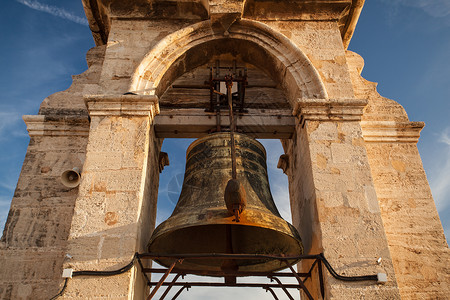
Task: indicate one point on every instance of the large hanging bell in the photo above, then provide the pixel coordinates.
(201, 222)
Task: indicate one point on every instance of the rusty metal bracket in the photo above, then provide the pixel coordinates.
(299, 280)
(268, 289)
(142, 268)
(180, 291)
(280, 284)
(163, 278)
(273, 276)
(322, 287)
(170, 286)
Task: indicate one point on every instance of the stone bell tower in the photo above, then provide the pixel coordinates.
(358, 191)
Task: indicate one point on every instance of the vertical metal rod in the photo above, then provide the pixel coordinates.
(163, 278)
(142, 269)
(211, 90)
(310, 271)
(229, 264)
(170, 286)
(244, 86)
(322, 288)
(229, 84)
(217, 97)
(300, 281)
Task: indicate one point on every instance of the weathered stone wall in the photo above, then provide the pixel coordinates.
(322, 44)
(129, 42)
(418, 247)
(333, 199)
(34, 240)
(115, 211)
(416, 239)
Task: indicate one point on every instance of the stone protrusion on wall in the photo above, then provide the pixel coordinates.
(283, 163)
(333, 198)
(34, 239)
(122, 105)
(115, 210)
(391, 131)
(39, 125)
(329, 109)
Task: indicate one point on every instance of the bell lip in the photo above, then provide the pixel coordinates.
(260, 266)
(227, 135)
(291, 233)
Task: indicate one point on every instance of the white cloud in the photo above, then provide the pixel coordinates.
(5, 203)
(435, 8)
(9, 185)
(438, 10)
(440, 185)
(55, 11)
(8, 121)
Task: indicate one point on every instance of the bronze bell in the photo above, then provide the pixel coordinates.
(201, 223)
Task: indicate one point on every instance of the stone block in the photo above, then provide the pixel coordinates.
(124, 180)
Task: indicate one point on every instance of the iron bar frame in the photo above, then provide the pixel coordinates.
(273, 276)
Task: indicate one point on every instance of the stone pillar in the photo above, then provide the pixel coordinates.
(33, 244)
(414, 232)
(116, 207)
(333, 199)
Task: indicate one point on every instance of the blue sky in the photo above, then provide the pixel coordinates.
(405, 44)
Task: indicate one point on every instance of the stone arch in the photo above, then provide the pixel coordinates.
(299, 77)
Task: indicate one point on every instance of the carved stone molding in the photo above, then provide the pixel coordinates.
(329, 109)
(44, 125)
(391, 131)
(122, 105)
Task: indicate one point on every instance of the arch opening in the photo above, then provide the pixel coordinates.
(254, 41)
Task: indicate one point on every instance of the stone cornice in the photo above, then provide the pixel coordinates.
(391, 131)
(122, 105)
(100, 12)
(349, 26)
(45, 125)
(329, 109)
